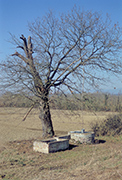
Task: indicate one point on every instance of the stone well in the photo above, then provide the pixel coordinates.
(82, 136)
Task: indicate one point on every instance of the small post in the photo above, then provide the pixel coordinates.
(82, 130)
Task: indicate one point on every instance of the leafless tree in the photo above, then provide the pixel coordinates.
(60, 52)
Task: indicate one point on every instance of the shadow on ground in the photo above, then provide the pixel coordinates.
(99, 141)
(72, 146)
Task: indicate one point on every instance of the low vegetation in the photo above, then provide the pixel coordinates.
(110, 126)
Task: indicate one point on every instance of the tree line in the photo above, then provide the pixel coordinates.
(85, 101)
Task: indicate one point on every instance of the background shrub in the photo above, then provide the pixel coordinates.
(110, 126)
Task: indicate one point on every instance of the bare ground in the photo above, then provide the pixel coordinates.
(18, 161)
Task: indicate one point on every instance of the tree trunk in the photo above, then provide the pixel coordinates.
(45, 117)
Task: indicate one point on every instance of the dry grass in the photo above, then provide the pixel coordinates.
(13, 128)
(86, 162)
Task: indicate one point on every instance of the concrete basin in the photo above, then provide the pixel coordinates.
(52, 145)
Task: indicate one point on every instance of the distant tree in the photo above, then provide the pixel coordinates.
(59, 53)
(118, 105)
(106, 99)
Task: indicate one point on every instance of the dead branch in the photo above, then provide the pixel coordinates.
(21, 57)
(28, 112)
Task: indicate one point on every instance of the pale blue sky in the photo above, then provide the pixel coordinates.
(15, 14)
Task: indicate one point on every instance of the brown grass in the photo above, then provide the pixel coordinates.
(86, 162)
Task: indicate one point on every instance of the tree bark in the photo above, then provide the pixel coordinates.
(45, 117)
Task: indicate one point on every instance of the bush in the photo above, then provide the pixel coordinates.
(111, 126)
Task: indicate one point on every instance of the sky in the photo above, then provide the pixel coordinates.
(15, 15)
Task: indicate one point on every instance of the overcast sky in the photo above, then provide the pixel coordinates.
(15, 15)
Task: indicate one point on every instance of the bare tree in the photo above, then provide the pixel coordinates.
(60, 52)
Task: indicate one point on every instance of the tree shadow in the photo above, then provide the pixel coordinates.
(71, 146)
(99, 141)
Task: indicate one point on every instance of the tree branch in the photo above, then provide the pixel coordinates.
(73, 69)
(59, 62)
(28, 112)
(21, 57)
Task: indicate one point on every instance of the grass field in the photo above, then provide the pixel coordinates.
(80, 162)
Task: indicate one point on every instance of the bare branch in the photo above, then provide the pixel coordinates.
(73, 69)
(21, 57)
(20, 47)
(65, 55)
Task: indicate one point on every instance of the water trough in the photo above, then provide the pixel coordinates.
(52, 145)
